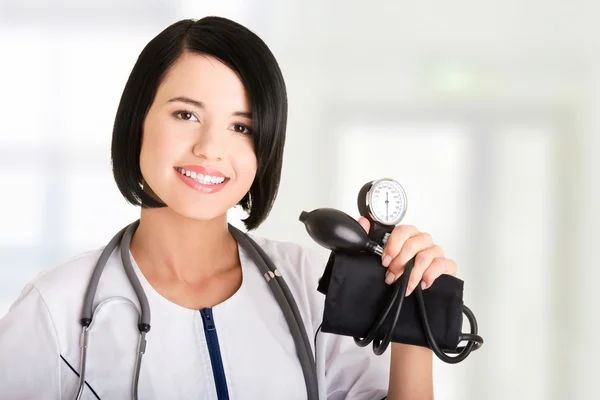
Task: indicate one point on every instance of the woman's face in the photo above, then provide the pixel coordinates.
(197, 151)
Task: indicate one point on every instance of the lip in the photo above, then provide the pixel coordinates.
(201, 187)
(203, 170)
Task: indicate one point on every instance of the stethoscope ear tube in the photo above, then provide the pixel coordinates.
(88, 301)
(289, 308)
(144, 323)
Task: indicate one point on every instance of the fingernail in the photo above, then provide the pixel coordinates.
(389, 278)
(386, 261)
(409, 289)
(423, 285)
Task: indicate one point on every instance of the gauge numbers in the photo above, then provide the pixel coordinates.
(387, 201)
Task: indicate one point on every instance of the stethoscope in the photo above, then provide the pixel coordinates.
(272, 275)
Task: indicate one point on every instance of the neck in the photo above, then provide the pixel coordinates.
(172, 247)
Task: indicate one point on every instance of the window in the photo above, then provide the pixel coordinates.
(486, 188)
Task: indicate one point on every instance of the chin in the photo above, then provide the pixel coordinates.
(203, 209)
(193, 213)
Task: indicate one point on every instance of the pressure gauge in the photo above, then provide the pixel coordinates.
(383, 201)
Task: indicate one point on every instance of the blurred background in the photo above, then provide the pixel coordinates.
(487, 112)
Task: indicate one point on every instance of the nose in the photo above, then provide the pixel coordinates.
(207, 145)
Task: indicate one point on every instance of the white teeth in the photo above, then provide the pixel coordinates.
(204, 179)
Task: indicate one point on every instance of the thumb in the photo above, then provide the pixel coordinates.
(365, 223)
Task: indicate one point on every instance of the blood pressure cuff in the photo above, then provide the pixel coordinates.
(356, 294)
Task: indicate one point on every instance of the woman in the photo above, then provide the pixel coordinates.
(201, 128)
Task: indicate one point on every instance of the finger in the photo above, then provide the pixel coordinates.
(452, 267)
(365, 223)
(423, 263)
(438, 267)
(397, 238)
(410, 249)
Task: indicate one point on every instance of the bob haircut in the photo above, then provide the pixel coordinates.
(247, 55)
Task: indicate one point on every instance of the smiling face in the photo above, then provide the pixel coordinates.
(197, 152)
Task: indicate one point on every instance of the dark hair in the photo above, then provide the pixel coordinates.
(246, 54)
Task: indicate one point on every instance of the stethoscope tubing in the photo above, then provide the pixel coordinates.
(274, 279)
(290, 311)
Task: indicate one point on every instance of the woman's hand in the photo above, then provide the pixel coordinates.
(411, 367)
(406, 242)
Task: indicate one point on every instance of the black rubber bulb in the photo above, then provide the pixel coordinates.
(337, 231)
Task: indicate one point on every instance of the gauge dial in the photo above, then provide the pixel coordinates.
(387, 201)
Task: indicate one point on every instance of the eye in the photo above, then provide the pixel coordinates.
(242, 129)
(185, 115)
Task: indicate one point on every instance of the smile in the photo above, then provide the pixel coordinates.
(200, 178)
(208, 181)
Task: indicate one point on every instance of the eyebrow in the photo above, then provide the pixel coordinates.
(200, 104)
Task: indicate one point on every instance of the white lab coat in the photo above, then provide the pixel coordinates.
(41, 334)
